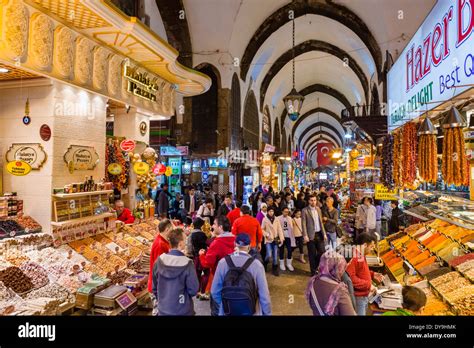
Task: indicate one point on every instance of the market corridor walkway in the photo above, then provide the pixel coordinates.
(287, 292)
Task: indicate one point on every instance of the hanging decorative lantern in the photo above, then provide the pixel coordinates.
(454, 119)
(293, 101)
(427, 127)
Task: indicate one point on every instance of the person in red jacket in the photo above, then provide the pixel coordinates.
(234, 214)
(160, 246)
(123, 214)
(250, 225)
(358, 271)
(221, 246)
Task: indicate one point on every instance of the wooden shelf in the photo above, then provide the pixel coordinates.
(82, 194)
(84, 219)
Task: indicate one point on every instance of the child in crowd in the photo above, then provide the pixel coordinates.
(298, 232)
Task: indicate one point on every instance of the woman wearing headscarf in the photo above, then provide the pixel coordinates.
(262, 213)
(327, 294)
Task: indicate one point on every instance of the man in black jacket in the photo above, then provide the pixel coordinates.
(394, 223)
(225, 207)
(162, 201)
(191, 203)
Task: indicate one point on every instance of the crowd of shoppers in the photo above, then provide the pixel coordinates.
(228, 266)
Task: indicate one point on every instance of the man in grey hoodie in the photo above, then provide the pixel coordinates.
(175, 282)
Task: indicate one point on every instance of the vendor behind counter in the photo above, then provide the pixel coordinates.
(123, 214)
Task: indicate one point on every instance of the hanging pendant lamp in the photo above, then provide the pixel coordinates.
(293, 101)
(427, 127)
(454, 119)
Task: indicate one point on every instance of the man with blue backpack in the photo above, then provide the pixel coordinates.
(240, 287)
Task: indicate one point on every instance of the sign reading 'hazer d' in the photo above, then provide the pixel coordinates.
(82, 157)
(438, 59)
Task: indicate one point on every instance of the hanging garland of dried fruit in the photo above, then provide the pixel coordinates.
(454, 166)
(114, 154)
(428, 158)
(408, 161)
(387, 161)
(397, 158)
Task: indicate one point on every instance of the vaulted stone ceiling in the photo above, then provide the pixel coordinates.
(341, 51)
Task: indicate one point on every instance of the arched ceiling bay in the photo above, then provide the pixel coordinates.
(320, 139)
(325, 50)
(309, 28)
(307, 92)
(315, 68)
(313, 143)
(280, 17)
(318, 136)
(314, 129)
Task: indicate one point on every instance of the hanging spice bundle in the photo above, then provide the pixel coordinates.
(427, 152)
(428, 158)
(408, 145)
(454, 167)
(397, 158)
(387, 161)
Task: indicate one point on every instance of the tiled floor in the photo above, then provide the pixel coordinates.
(286, 291)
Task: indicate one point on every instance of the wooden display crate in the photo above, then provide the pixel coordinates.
(77, 205)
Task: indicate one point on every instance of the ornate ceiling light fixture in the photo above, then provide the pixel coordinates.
(293, 101)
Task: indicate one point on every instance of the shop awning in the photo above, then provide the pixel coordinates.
(101, 21)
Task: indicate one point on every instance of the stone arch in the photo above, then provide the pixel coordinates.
(310, 113)
(328, 9)
(284, 147)
(277, 135)
(374, 101)
(177, 29)
(266, 126)
(308, 46)
(204, 114)
(251, 129)
(316, 125)
(317, 87)
(235, 112)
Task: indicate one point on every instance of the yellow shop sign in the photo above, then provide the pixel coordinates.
(114, 169)
(141, 168)
(384, 194)
(18, 168)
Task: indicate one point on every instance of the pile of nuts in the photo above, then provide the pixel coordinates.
(465, 306)
(70, 283)
(4, 264)
(14, 278)
(37, 274)
(53, 291)
(455, 284)
(121, 276)
(16, 257)
(28, 223)
(460, 293)
(445, 278)
(5, 293)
